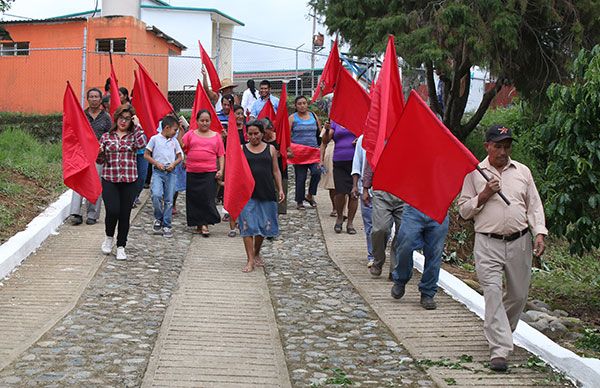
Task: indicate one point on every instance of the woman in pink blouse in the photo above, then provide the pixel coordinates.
(204, 166)
(118, 148)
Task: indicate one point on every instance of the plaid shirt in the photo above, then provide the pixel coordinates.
(119, 155)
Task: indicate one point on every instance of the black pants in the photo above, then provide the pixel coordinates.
(118, 200)
(301, 171)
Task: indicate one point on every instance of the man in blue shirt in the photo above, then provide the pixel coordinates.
(265, 93)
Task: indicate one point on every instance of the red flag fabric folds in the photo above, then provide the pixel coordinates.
(350, 104)
(201, 101)
(79, 150)
(239, 182)
(149, 102)
(422, 162)
(330, 73)
(115, 100)
(282, 126)
(387, 104)
(267, 111)
(215, 82)
(304, 154)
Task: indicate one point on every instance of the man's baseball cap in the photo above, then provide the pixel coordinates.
(497, 133)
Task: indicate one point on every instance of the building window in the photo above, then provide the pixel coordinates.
(116, 45)
(14, 48)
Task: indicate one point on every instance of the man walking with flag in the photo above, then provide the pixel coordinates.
(100, 121)
(503, 238)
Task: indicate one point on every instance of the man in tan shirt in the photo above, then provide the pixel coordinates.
(503, 238)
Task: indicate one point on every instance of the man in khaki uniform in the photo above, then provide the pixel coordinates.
(503, 238)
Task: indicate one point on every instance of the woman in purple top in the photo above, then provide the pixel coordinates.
(342, 173)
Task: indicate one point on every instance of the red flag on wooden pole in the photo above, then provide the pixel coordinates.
(330, 73)
(387, 103)
(267, 111)
(422, 162)
(215, 82)
(239, 182)
(149, 102)
(115, 100)
(350, 103)
(201, 101)
(282, 126)
(79, 150)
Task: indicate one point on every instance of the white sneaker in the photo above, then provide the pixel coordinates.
(107, 245)
(121, 255)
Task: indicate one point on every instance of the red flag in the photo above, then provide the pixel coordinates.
(239, 182)
(304, 154)
(282, 126)
(267, 111)
(215, 82)
(79, 150)
(201, 101)
(115, 100)
(387, 103)
(330, 73)
(422, 162)
(350, 103)
(149, 102)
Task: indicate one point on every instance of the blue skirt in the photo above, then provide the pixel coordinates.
(180, 177)
(259, 218)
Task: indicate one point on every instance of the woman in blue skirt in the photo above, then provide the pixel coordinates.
(259, 217)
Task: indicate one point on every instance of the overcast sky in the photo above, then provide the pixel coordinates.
(279, 22)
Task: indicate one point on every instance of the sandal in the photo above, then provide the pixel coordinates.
(232, 233)
(258, 261)
(333, 213)
(337, 228)
(311, 202)
(300, 206)
(204, 231)
(248, 268)
(350, 230)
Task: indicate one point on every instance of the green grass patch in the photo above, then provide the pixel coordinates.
(36, 160)
(568, 282)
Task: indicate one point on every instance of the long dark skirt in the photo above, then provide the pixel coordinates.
(200, 199)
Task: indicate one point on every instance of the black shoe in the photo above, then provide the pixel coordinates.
(374, 271)
(428, 303)
(90, 221)
(398, 291)
(76, 219)
(390, 277)
(498, 364)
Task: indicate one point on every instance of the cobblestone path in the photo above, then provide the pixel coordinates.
(107, 338)
(329, 333)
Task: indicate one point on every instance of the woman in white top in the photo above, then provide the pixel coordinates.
(249, 96)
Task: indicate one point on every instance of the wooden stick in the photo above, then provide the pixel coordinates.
(487, 178)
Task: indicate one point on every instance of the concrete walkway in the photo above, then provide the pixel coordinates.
(437, 337)
(220, 330)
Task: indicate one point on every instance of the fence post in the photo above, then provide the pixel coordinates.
(297, 67)
(84, 64)
(218, 58)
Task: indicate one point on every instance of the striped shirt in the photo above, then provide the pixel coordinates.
(304, 131)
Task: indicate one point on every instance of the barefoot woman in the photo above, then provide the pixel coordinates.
(259, 217)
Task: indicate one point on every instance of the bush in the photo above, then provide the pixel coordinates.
(43, 127)
(567, 143)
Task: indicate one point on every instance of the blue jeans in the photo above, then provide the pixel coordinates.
(301, 171)
(418, 231)
(366, 211)
(163, 189)
(142, 168)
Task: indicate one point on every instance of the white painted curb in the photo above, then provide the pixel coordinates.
(24, 243)
(586, 371)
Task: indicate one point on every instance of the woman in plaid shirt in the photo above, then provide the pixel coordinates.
(118, 149)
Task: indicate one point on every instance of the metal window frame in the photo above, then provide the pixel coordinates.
(7, 51)
(111, 44)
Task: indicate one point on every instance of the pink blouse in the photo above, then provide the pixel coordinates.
(202, 152)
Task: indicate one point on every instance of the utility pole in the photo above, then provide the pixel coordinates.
(312, 51)
(297, 67)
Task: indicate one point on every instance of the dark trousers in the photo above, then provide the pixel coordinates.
(301, 171)
(118, 200)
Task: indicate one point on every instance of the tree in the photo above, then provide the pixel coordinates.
(529, 44)
(5, 5)
(567, 144)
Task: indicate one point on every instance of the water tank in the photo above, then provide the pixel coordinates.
(121, 8)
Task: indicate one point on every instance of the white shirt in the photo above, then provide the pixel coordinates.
(248, 100)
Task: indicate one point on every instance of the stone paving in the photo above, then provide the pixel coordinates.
(106, 340)
(329, 333)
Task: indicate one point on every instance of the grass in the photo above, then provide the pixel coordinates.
(30, 178)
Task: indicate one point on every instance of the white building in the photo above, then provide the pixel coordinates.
(187, 25)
